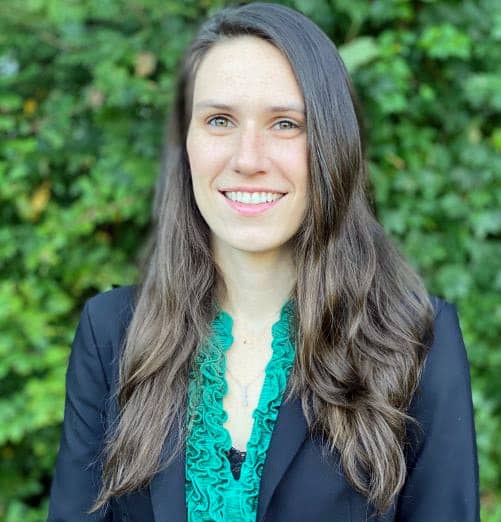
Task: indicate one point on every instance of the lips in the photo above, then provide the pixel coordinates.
(251, 209)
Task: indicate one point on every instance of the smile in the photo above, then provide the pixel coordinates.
(249, 208)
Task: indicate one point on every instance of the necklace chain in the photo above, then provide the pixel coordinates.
(243, 389)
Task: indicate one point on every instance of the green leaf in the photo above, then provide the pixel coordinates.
(359, 52)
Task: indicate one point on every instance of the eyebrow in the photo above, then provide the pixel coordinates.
(271, 108)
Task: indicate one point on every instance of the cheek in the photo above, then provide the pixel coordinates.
(294, 162)
(204, 156)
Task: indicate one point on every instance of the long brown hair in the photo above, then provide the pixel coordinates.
(364, 319)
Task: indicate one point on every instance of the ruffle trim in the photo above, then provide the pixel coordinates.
(212, 493)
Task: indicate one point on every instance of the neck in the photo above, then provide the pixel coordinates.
(257, 284)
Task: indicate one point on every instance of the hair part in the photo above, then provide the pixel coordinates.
(364, 320)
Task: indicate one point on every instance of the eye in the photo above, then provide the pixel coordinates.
(220, 121)
(291, 125)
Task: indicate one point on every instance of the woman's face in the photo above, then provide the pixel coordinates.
(247, 133)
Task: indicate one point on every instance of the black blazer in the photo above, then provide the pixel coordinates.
(297, 483)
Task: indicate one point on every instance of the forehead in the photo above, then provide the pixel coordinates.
(246, 68)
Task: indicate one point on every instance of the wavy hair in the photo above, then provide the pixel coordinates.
(363, 320)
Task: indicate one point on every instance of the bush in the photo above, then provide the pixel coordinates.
(83, 91)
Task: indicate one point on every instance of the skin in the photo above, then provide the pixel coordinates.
(249, 145)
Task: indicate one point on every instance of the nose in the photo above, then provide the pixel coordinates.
(249, 156)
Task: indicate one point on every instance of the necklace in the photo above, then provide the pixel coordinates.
(248, 340)
(250, 337)
(243, 389)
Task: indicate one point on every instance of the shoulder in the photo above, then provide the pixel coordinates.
(444, 390)
(115, 299)
(438, 303)
(441, 454)
(101, 330)
(110, 312)
(446, 366)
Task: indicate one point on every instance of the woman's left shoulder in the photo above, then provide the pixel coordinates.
(446, 372)
(442, 463)
(448, 347)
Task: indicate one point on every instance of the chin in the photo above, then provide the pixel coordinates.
(253, 242)
(254, 247)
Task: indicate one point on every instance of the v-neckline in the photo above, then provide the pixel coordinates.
(266, 382)
(208, 440)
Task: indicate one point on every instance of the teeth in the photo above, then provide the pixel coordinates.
(253, 198)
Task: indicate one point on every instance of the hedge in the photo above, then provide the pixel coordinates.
(84, 87)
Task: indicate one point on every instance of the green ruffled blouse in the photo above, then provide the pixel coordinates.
(213, 494)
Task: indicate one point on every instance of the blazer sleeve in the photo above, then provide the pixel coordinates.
(442, 483)
(76, 480)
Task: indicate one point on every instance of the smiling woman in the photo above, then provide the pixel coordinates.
(279, 360)
(252, 152)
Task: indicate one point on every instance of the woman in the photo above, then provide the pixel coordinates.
(279, 359)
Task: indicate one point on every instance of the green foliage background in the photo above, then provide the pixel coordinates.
(84, 87)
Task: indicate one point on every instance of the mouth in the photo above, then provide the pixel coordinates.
(281, 194)
(251, 209)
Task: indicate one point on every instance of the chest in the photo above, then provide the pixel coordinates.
(245, 373)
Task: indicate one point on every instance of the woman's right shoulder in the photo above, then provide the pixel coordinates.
(110, 312)
(116, 298)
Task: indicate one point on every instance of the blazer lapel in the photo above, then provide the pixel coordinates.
(288, 435)
(167, 488)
